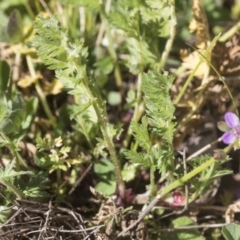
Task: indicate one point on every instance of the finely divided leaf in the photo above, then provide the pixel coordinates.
(140, 132)
(9, 173)
(14, 115)
(143, 159)
(160, 109)
(53, 44)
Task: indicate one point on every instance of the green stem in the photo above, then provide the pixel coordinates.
(10, 186)
(170, 40)
(72, 22)
(179, 182)
(19, 161)
(29, 10)
(199, 98)
(199, 192)
(100, 110)
(138, 99)
(152, 182)
(37, 5)
(105, 129)
(220, 77)
(41, 95)
(230, 33)
(139, 105)
(88, 139)
(111, 49)
(187, 177)
(189, 79)
(44, 103)
(200, 101)
(138, 111)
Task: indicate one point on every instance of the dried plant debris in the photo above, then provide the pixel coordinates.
(226, 56)
(34, 220)
(231, 211)
(198, 26)
(117, 219)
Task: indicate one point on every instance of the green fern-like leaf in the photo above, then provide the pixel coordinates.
(54, 46)
(143, 159)
(10, 174)
(79, 109)
(71, 81)
(160, 109)
(51, 42)
(100, 148)
(43, 144)
(140, 55)
(14, 115)
(140, 132)
(155, 10)
(67, 58)
(33, 188)
(118, 19)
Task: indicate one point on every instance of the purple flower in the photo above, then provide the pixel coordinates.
(231, 127)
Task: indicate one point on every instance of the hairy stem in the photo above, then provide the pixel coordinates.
(138, 111)
(179, 182)
(100, 109)
(170, 40)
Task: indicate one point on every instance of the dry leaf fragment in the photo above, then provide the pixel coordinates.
(190, 61)
(26, 81)
(231, 210)
(199, 26)
(54, 87)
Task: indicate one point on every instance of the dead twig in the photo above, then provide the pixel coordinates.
(80, 179)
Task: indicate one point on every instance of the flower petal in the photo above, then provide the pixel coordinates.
(231, 119)
(228, 137)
